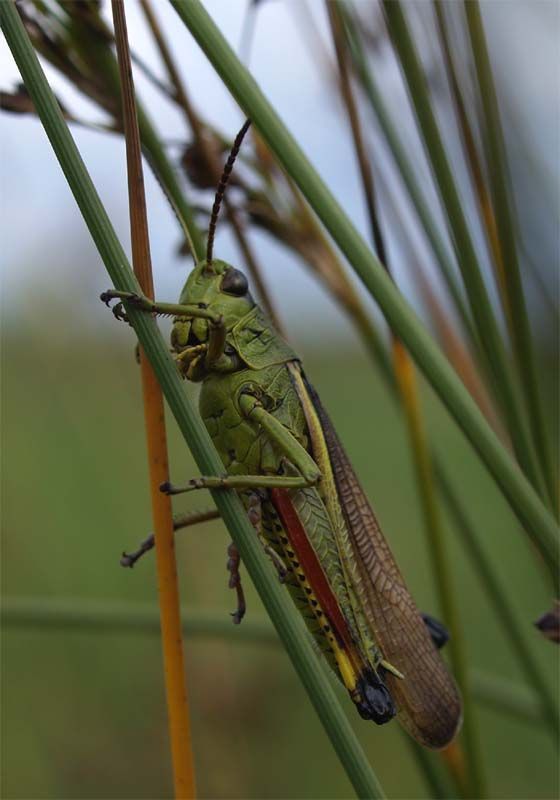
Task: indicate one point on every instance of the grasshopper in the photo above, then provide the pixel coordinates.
(281, 453)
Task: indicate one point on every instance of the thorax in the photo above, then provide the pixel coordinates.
(242, 446)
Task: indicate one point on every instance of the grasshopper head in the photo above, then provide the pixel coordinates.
(221, 289)
(217, 288)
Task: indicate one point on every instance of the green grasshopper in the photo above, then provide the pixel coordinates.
(282, 455)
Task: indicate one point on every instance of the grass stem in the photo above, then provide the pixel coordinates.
(519, 325)
(410, 402)
(488, 331)
(44, 615)
(510, 621)
(168, 585)
(442, 570)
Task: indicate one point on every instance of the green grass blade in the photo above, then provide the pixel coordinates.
(97, 53)
(537, 520)
(406, 172)
(275, 600)
(437, 780)
(504, 695)
(443, 577)
(520, 330)
(510, 621)
(47, 615)
(410, 400)
(498, 593)
(95, 616)
(505, 389)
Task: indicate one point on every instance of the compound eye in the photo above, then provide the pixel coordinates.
(235, 283)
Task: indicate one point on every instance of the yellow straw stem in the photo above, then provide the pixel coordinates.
(173, 659)
(408, 388)
(454, 758)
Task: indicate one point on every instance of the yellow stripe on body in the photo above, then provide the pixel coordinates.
(327, 488)
(279, 539)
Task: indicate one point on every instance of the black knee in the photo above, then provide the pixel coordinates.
(437, 630)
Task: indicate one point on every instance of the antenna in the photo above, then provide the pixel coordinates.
(220, 192)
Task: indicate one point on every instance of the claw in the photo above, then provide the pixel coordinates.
(234, 582)
(280, 567)
(237, 616)
(119, 312)
(114, 294)
(168, 488)
(128, 559)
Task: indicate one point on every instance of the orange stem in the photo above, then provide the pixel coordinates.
(172, 644)
(171, 635)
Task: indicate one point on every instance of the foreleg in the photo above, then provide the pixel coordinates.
(142, 303)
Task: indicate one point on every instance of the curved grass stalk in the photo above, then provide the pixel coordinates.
(506, 612)
(523, 499)
(499, 693)
(287, 623)
(442, 571)
(511, 622)
(498, 593)
(43, 615)
(95, 616)
(407, 173)
(438, 782)
(473, 772)
(506, 390)
(520, 329)
(473, 159)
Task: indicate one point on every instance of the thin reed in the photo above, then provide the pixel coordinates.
(156, 440)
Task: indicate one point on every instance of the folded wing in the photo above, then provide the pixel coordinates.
(427, 699)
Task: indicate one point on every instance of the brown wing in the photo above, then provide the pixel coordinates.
(427, 699)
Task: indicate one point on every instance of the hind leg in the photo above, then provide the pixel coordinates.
(233, 564)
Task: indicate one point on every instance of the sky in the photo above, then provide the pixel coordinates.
(46, 244)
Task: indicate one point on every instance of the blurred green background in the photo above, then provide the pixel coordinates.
(84, 713)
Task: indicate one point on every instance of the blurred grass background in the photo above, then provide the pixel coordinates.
(84, 714)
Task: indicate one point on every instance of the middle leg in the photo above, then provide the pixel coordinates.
(179, 521)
